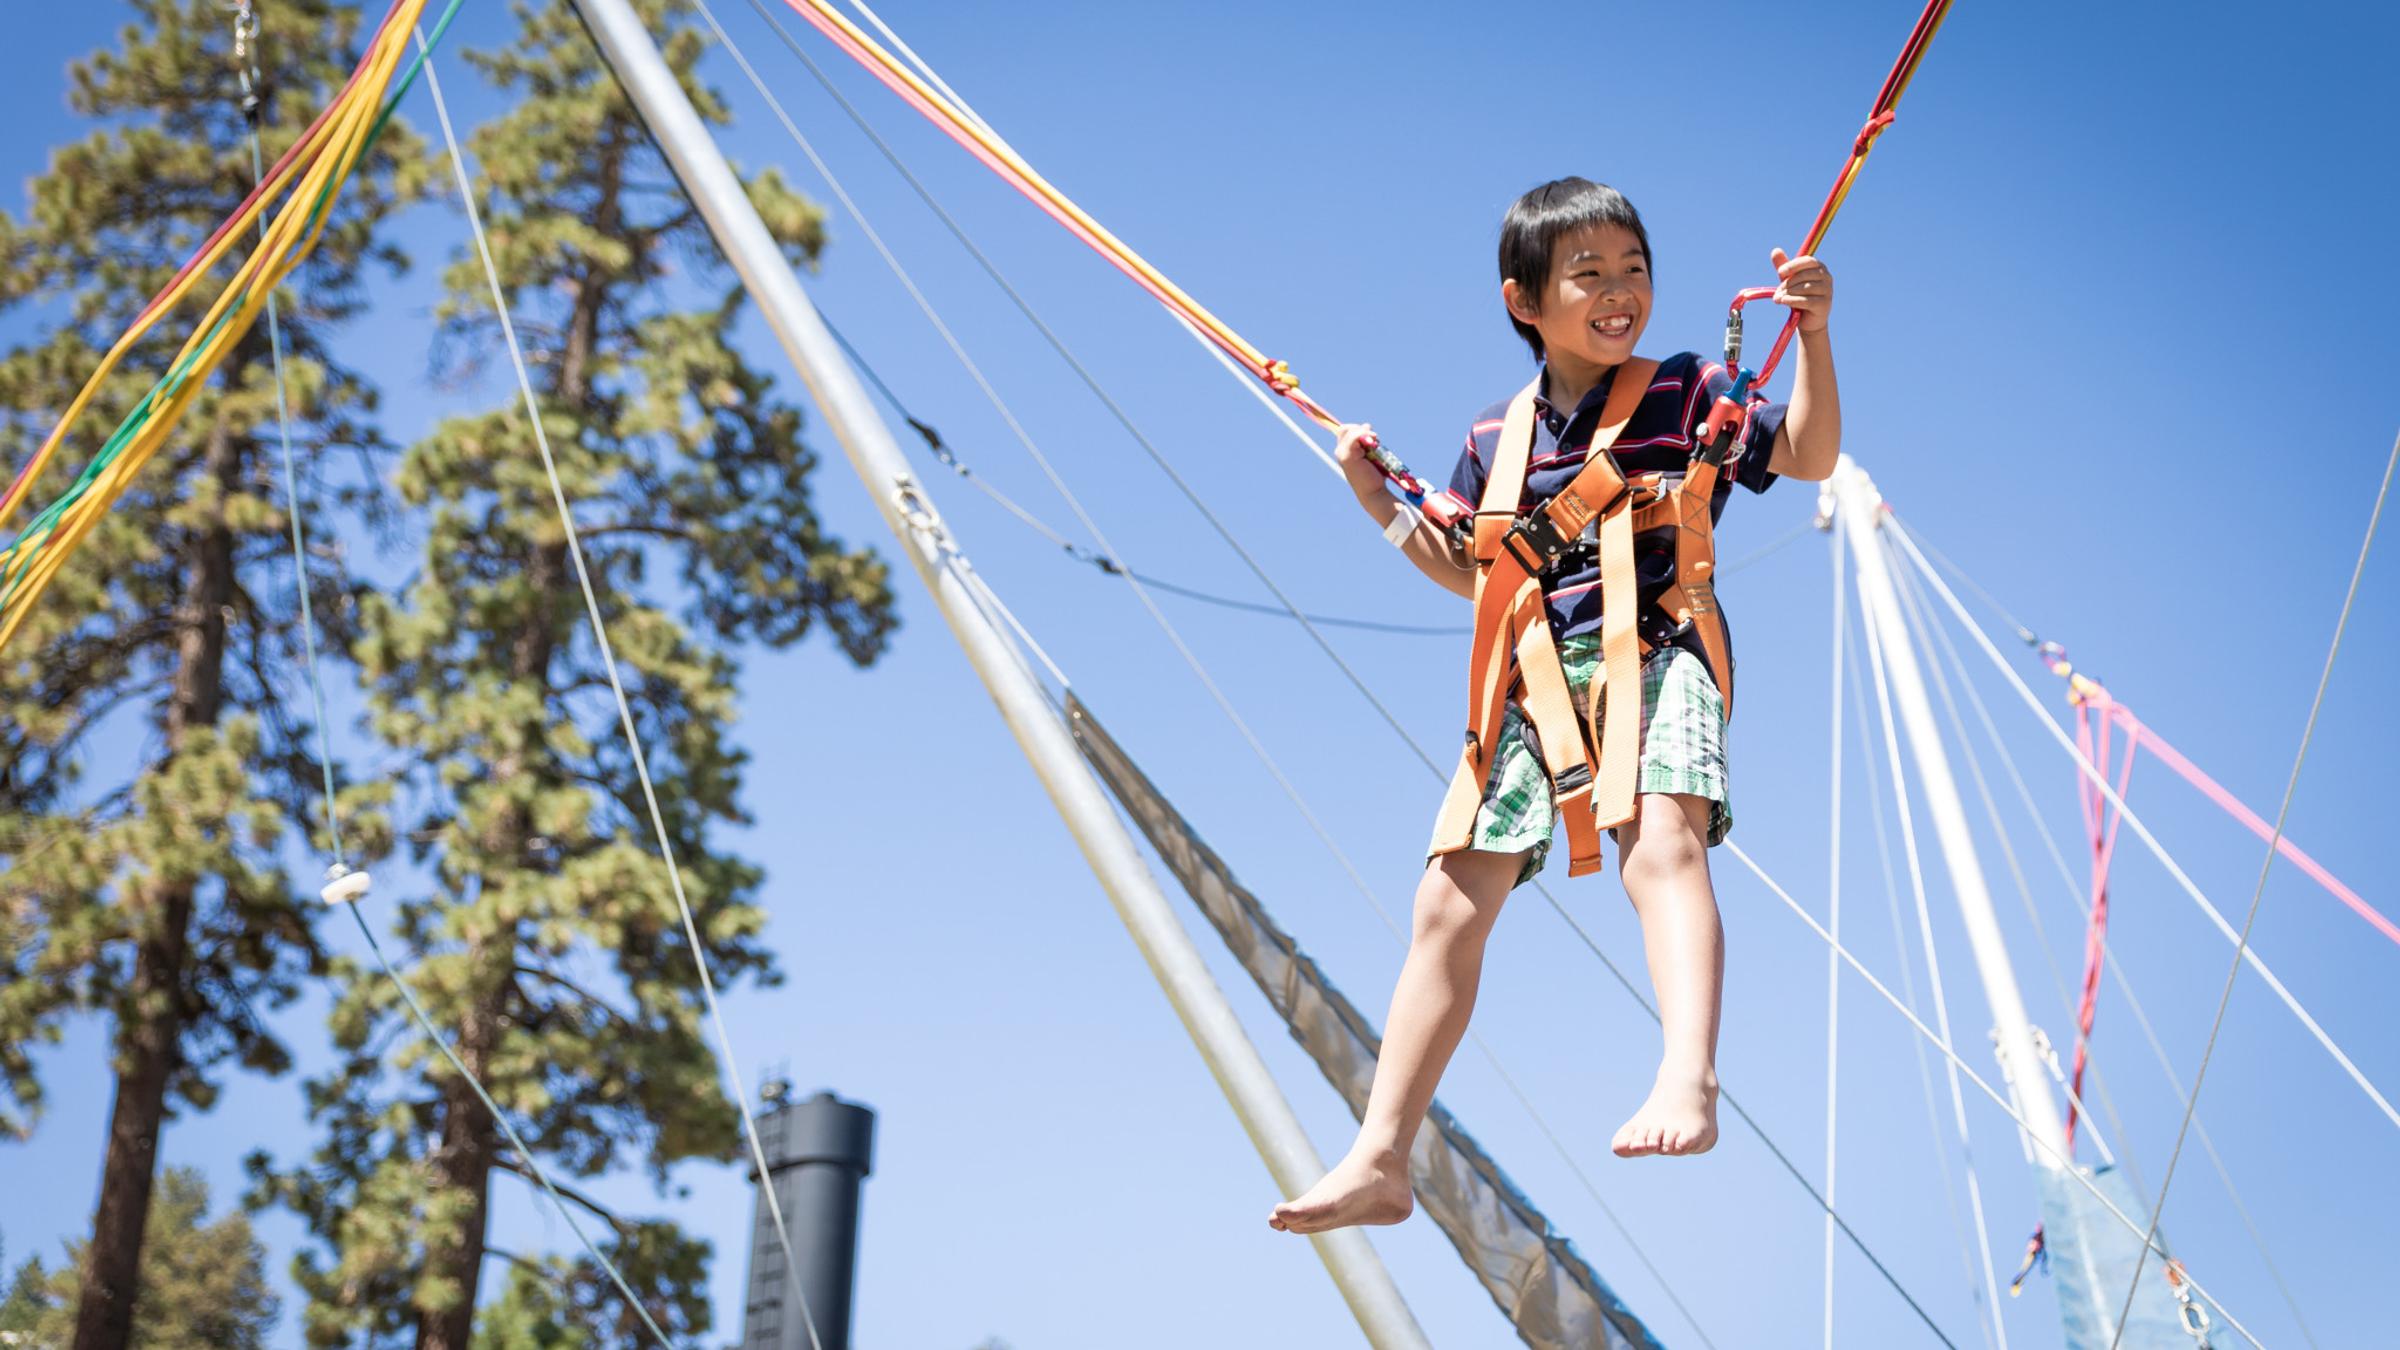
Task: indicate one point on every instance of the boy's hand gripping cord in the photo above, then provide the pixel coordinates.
(1731, 409)
(1441, 506)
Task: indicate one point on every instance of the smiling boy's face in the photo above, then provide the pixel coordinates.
(1598, 298)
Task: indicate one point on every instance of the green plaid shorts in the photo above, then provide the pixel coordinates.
(1683, 750)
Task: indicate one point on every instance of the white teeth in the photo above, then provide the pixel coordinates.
(1614, 326)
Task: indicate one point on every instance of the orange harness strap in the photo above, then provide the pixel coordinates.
(1692, 597)
(1513, 642)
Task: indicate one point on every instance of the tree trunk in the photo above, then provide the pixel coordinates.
(147, 1058)
(464, 1159)
(150, 1022)
(462, 1166)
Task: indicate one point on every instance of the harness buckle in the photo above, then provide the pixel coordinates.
(1577, 777)
(1537, 542)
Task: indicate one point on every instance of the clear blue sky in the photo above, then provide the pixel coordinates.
(2109, 334)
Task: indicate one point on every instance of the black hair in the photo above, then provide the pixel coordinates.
(1541, 218)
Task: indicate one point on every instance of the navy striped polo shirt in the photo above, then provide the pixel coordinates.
(1657, 437)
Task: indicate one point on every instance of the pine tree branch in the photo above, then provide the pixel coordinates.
(583, 996)
(545, 1273)
(63, 748)
(507, 1161)
(675, 532)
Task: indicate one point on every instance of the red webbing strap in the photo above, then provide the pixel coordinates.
(2100, 823)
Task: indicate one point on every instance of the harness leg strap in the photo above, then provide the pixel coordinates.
(1549, 704)
(1507, 603)
(1621, 663)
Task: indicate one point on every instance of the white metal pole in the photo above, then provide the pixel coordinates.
(1240, 1071)
(1862, 517)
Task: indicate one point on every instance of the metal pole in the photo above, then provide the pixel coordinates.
(1862, 516)
(1240, 1072)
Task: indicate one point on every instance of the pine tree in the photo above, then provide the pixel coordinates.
(155, 899)
(202, 1284)
(545, 940)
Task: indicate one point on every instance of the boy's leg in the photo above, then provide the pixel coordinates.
(1663, 854)
(1457, 901)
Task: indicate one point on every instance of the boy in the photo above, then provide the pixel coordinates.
(1575, 277)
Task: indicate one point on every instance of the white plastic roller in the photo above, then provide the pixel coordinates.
(344, 886)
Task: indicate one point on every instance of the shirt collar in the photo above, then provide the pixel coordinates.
(1597, 396)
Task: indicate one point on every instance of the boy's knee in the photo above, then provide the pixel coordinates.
(1667, 841)
(1446, 912)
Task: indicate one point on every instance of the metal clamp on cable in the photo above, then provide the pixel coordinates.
(1733, 323)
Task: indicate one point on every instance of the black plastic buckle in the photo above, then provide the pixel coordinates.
(1536, 542)
(1577, 777)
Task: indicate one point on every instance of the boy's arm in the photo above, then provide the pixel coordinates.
(1427, 547)
(1810, 439)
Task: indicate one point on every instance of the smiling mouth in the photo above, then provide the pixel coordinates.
(1613, 325)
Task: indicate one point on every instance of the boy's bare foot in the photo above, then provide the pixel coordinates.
(1360, 1189)
(1680, 1118)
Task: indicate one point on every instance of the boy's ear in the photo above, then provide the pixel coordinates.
(1519, 304)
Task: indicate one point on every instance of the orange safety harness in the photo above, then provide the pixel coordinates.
(1591, 753)
(1513, 649)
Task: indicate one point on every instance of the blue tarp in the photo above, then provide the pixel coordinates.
(2092, 1254)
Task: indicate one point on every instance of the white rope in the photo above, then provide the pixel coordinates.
(2249, 954)
(1922, 620)
(1934, 1135)
(2258, 893)
(1833, 892)
(931, 76)
(608, 659)
(985, 596)
(1248, 380)
(1357, 684)
(245, 31)
(291, 493)
(1272, 404)
(1933, 964)
(2066, 1168)
(1911, 590)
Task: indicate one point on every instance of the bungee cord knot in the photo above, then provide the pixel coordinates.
(1868, 133)
(1279, 377)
